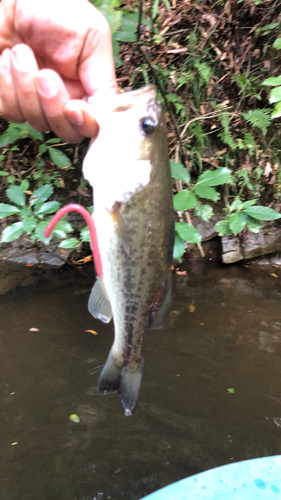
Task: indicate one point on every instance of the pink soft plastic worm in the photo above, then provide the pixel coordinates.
(74, 207)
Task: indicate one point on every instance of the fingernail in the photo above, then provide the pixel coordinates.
(6, 59)
(20, 56)
(74, 115)
(47, 86)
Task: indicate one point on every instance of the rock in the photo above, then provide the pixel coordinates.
(271, 260)
(268, 240)
(13, 275)
(21, 251)
(22, 263)
(231, 251)
(206, 228)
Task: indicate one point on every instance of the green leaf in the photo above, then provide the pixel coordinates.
(3, 174)
(42, 148)
(203, 211)
(262, 213)
(276, 113)
(184, 200)
(253, 224)
(54, 140)
(125, 36)
(249, 203)
(237, 222)
(222, 227)
(146, 21)
(35, 134)
(172, 97)
(187, 232)
(129, 22)
(155, 8)
(63, 225)
(41, 194)
(167, 3)
(24, 185)
(16, 195)
(12, 134)
(179, 248)
(117, 61)
(59, 234)
(48, 208)
(7, 210)
(269, 27)
(237, 204)
(206, 192)
(258, 118)
(272, 81)
(39, 231)
(216, 177)
(26, 212)
(69, 243)
(230, 390)
(85, 234)
(59, 158)
(249, 142)
(74, 418)
(90, 209)
(29, 224)
(179, 172)
(277, 45)
(12, 232)
(275, 95)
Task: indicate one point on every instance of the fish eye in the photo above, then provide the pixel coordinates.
(148, 125)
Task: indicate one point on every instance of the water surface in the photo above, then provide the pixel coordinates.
(211, 391)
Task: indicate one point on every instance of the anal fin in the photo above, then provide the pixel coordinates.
(98, 304)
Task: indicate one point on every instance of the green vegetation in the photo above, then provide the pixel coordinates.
(218, 70)
(34, 214)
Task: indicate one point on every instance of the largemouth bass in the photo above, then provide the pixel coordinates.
(128, 167)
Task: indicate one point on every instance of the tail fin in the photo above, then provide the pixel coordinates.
(110, 376)
(129, 387)
(126, 380)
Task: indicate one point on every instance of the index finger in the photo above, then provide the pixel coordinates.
(96, 66)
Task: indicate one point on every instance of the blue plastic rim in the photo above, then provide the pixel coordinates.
(257, 479)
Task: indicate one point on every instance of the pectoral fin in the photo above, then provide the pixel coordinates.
(98, 304)
(161, 316)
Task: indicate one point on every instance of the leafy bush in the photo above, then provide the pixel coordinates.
(34, 217)
(188, 199)
(245, 214)
(32, 213)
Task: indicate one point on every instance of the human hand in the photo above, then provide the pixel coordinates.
(53, 54)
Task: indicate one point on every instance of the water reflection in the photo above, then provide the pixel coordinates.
(187, 419)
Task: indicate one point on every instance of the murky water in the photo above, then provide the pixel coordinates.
(211, 391)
